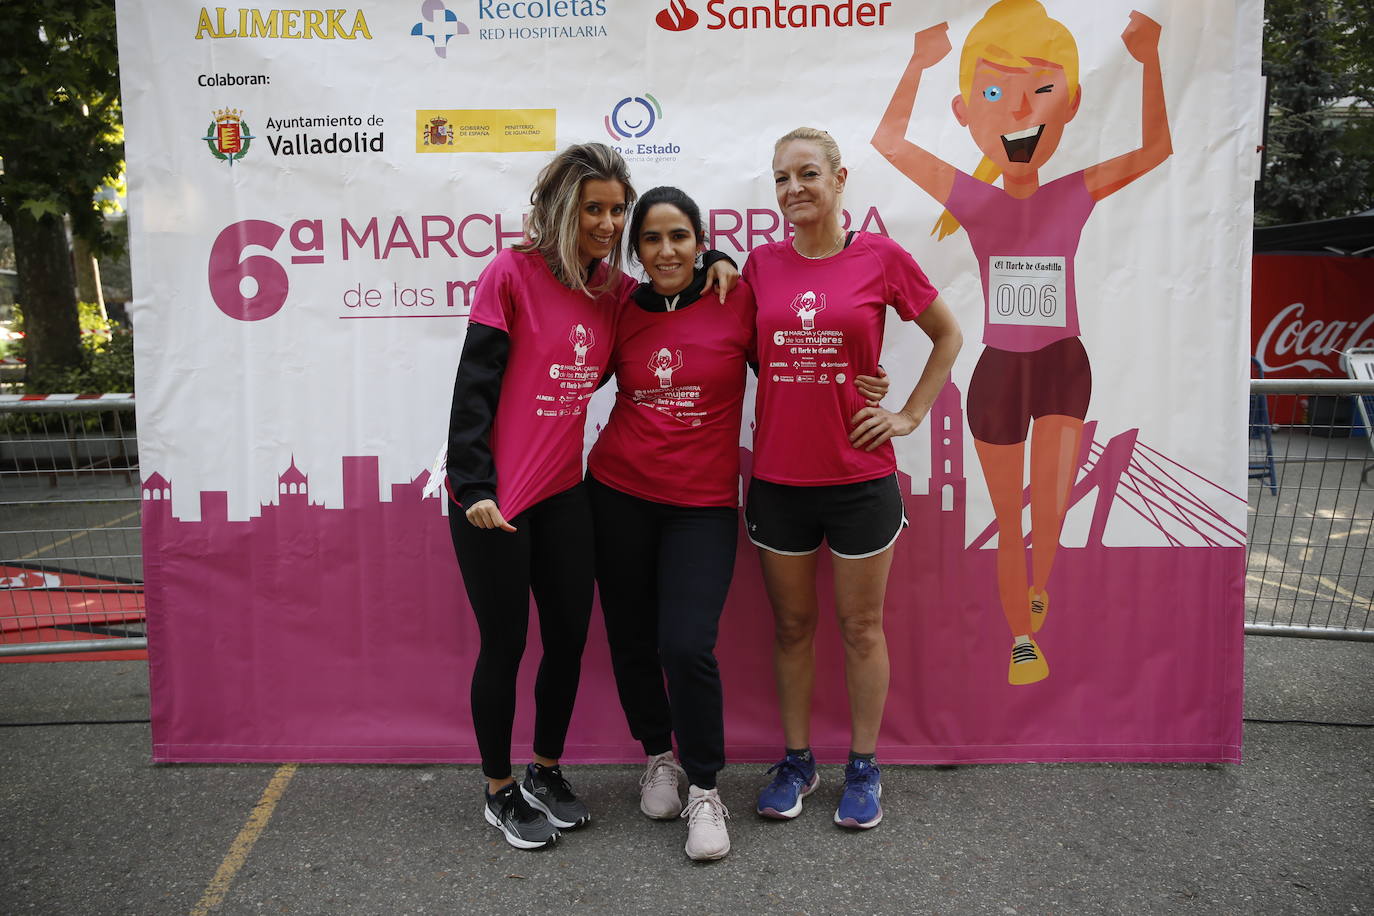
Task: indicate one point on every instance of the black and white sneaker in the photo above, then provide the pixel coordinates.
(522, 826)
(546, 790)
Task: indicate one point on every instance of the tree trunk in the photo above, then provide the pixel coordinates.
(47, 294)
(87, 274)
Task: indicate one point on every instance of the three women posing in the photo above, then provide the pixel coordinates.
(661, 484)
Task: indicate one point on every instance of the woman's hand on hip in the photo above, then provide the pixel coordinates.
(873, 426)
(485, 514)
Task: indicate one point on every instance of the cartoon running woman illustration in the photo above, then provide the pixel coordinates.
(806, 305)
(663, 364)
(582, 340)
(1018, 88)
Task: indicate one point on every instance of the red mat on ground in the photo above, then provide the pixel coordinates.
(42, 605)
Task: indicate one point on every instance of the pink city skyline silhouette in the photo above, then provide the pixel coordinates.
(314, 633)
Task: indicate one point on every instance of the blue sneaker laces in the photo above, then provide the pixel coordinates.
(790, 769)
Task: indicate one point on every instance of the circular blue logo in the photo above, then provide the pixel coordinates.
(633, 117)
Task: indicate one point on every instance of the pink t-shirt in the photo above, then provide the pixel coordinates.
(820, 323)
(560, 343)
(1025, 249)
(673, 434)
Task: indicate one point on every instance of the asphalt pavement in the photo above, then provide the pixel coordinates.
(89, 826)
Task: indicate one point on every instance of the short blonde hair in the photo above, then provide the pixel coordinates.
(829, 148)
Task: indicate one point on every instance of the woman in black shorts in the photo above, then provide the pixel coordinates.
(824, 470)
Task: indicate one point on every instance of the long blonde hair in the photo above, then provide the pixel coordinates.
(555, 211)
(1010, 32)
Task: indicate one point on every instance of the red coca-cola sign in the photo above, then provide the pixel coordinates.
(1306, 311)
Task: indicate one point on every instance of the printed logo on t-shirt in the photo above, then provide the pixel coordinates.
(582, 340)
(811, 355)
(576, 380)
(663, 364)
(1027, 290)
(806, 305)
(681, 402)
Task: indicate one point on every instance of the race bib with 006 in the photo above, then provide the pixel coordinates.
(1025, 290)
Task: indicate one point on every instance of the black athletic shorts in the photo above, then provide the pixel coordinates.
(856, 520)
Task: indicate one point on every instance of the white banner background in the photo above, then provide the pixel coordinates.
(227, 404)
(1161, 270)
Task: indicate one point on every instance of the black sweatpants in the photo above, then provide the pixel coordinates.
(663, 572)
(549, 554)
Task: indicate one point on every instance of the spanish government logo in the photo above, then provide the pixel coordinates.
(439, 24)
(677, 17)
(438, 132)
(228, 136)
(633, 117)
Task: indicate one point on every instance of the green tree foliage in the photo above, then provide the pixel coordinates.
(1316, 53)
(61, 140)
(1356, 61)
(108, 351)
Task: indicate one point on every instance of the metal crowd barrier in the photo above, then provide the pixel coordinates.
(1309, 566)
(71, 567)
(71, 560)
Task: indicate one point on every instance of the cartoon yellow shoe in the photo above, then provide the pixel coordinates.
(1039, 608)
(1028, 663)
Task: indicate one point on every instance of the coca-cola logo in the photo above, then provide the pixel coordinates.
(1318, 346)
(677, 17)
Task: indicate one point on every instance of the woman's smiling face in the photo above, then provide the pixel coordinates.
(601, 218)
(667, 247)
(1017, 115)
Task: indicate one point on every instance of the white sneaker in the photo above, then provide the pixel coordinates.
(658, 796)
(707, 837)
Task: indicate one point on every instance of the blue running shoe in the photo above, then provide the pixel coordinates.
(793, 780)
(859, 807)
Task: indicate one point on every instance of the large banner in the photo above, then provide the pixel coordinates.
(314, 193)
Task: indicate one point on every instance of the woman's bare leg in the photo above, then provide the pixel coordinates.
(860, 586)
(791, 584)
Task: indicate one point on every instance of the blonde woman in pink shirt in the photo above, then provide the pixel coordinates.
(538, 342)
(824, 469)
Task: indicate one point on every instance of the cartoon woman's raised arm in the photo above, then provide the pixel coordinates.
(1142, 41)
(933, 174)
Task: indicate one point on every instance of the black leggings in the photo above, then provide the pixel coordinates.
(550, 554)
(664, 572)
